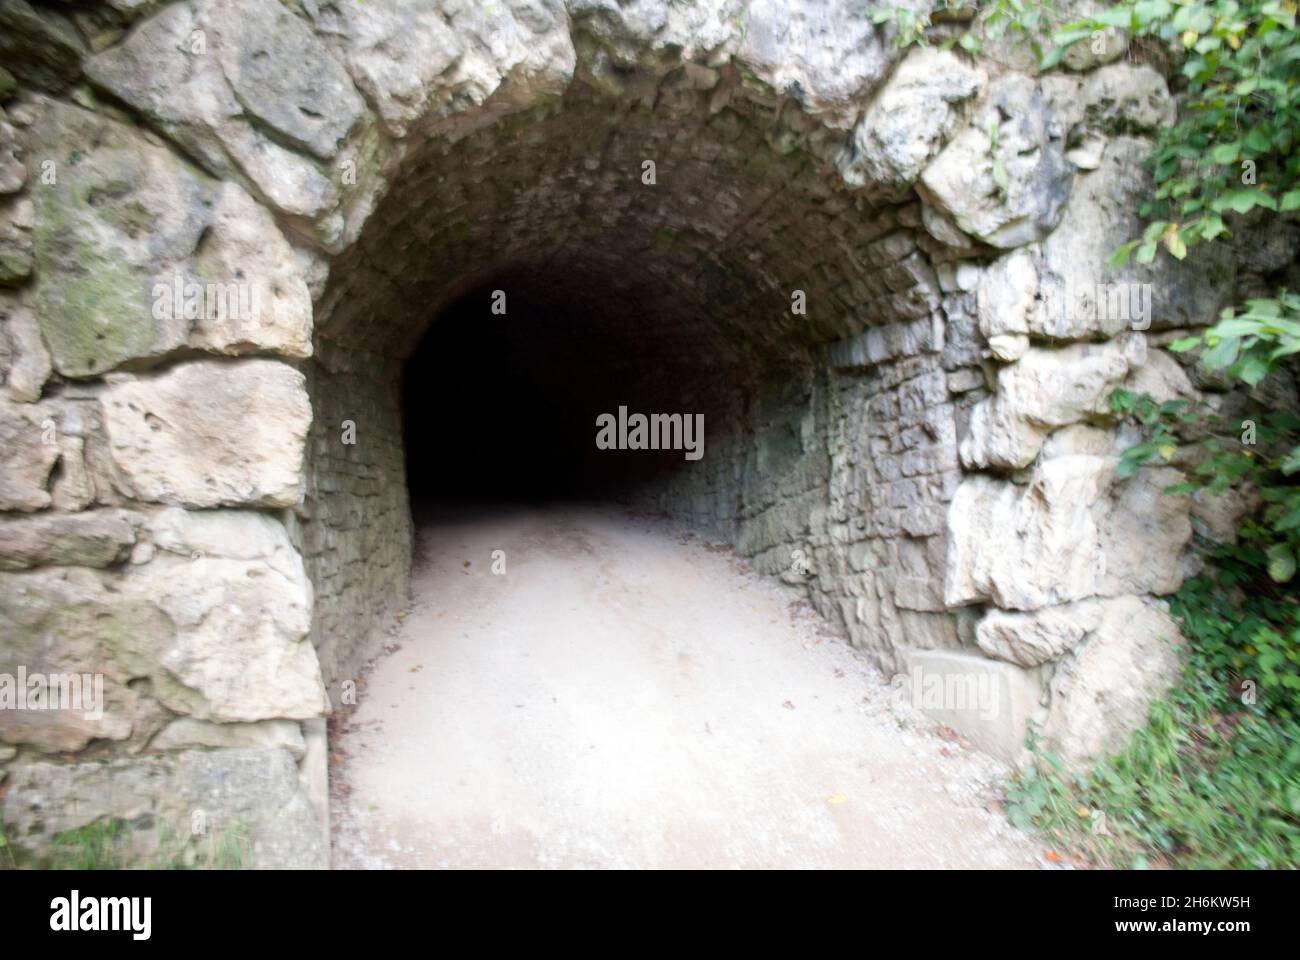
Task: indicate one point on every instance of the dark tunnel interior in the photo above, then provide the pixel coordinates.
(504, 405)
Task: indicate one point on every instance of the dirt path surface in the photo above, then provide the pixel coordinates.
(628, 695)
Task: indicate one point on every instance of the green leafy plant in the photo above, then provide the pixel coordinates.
(1211, 780)
(1233, 147)
(109, 844)
(1029, 20)
(1208, 783)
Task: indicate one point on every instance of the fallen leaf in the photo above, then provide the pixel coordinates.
(1052, 856)
(836, 798)
(788, 705)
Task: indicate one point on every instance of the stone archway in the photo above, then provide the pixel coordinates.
(928, 436)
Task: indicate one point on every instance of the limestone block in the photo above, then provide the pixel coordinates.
(17, 246)
(282, 74)
(254, 793)
(28, 367)
(1030, 639)
(1127, 98)
(1144, 532)
(97, 539)
(988, 702)
(1080, 297)
(415, 61)
(1103, 693)
(1030, 148)
(40, 45)
(1007, 295)
(1027, 547)
(240, 635)
(13, 173)
(28, 451)
(247, 89)
(827, 53)
(1043, 390)
(139, 255)
(211, 433)
(61, 622)
(910, 119)
(187, 733)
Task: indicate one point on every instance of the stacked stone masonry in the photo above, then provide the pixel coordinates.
(927, 449)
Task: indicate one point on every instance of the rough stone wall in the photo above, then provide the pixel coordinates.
(354, 524)
(182, 516)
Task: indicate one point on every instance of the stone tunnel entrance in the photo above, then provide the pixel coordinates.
(597, 254)
(471, 237)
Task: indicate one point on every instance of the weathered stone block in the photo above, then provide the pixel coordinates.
(249, 797)
(28, 451)
(1103, 693)
(986, 701)
(98, 539)
(200, 434)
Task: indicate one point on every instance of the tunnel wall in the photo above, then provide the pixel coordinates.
(183, 518)
(353, 527)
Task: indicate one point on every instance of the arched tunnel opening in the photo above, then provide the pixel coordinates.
(677, 255)
(663, 256)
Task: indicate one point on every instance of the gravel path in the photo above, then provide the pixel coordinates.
(628, 695)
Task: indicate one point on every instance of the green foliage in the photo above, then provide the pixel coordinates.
(1251, 607)
(1211, 781)
(1233, 147)
(1261, 454)
(1208, 783)
(1252, 343)
(1243, 626)
(110, 844)
(7, 861)
(1028, 20)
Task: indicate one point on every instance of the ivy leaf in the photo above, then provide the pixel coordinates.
(1212, 226)
(1259, 140)
(1175, 245)
(1221, 354)
(1242, 201)
(1122, 253)
(1252, 370)
(1281, 562)
(1291, 464)
(1225, 153)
